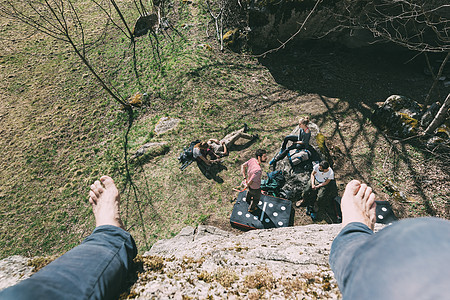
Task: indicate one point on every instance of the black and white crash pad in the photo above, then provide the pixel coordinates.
(384, 212)
(272, 212)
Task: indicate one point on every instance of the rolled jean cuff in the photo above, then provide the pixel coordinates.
(355, 227)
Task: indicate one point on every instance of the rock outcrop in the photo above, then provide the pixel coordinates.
(354, 23)
(14, 269)
(297, 176)
(402, 117)
(209, 263)
(165, 124)
(149, 150)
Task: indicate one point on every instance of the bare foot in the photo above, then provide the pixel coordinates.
(358, 204)
(105, 201)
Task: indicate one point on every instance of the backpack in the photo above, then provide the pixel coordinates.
(297, 156)
(275, 181)
(187, 156)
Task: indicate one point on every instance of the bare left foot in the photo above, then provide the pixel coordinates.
(105, 201)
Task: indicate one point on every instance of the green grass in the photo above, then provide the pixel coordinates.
(61, 132)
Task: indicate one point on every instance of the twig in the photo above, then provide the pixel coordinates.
(387, 156)
(292, 36)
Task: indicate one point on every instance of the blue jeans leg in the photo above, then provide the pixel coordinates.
(96, 269)
(406, 260)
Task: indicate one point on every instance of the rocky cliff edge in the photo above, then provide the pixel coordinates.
(209, 263)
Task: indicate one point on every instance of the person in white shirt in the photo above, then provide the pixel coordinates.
(318, 188)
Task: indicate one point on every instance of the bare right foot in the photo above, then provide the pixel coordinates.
(105, 201)
(358, 204)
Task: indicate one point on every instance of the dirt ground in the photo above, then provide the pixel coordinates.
(341, 88)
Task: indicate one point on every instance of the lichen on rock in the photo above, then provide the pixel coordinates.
(399, 116)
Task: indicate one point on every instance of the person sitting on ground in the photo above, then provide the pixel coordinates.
(201, 152)
(221, 148)
(405, 260)
(96, 269)
(300, 141)
(251, 171)
(319, 187)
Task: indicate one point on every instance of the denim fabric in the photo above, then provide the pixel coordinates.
(285, 152)
(96, 269)
(406, 260)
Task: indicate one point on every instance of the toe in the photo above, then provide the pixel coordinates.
(371, 204)
(362, 190)
(95, 190)
(92, 197)
(353, 187)
(367, 193)
(107, 181)
(98, 186)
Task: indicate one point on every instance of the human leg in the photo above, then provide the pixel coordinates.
(402, 261)
(325, 193)
(253, 197)
(309, 195)
(231, 138)
(358, 211)
(292, 138)
(278, 157)
(406, 260)
(282, 154)
(96, 269)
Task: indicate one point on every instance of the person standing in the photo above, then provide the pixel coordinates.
(251, 171)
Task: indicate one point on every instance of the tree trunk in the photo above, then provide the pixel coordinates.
(440, 116)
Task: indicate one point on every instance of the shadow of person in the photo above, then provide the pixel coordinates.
(211, 172)
(240, 147)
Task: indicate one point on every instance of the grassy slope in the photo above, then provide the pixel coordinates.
(60, 131)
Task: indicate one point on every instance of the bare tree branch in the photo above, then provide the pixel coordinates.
(440, 116)
(436, 78)
(294, 35)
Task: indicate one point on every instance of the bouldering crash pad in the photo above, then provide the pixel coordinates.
(384, 212)
(272, 212)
